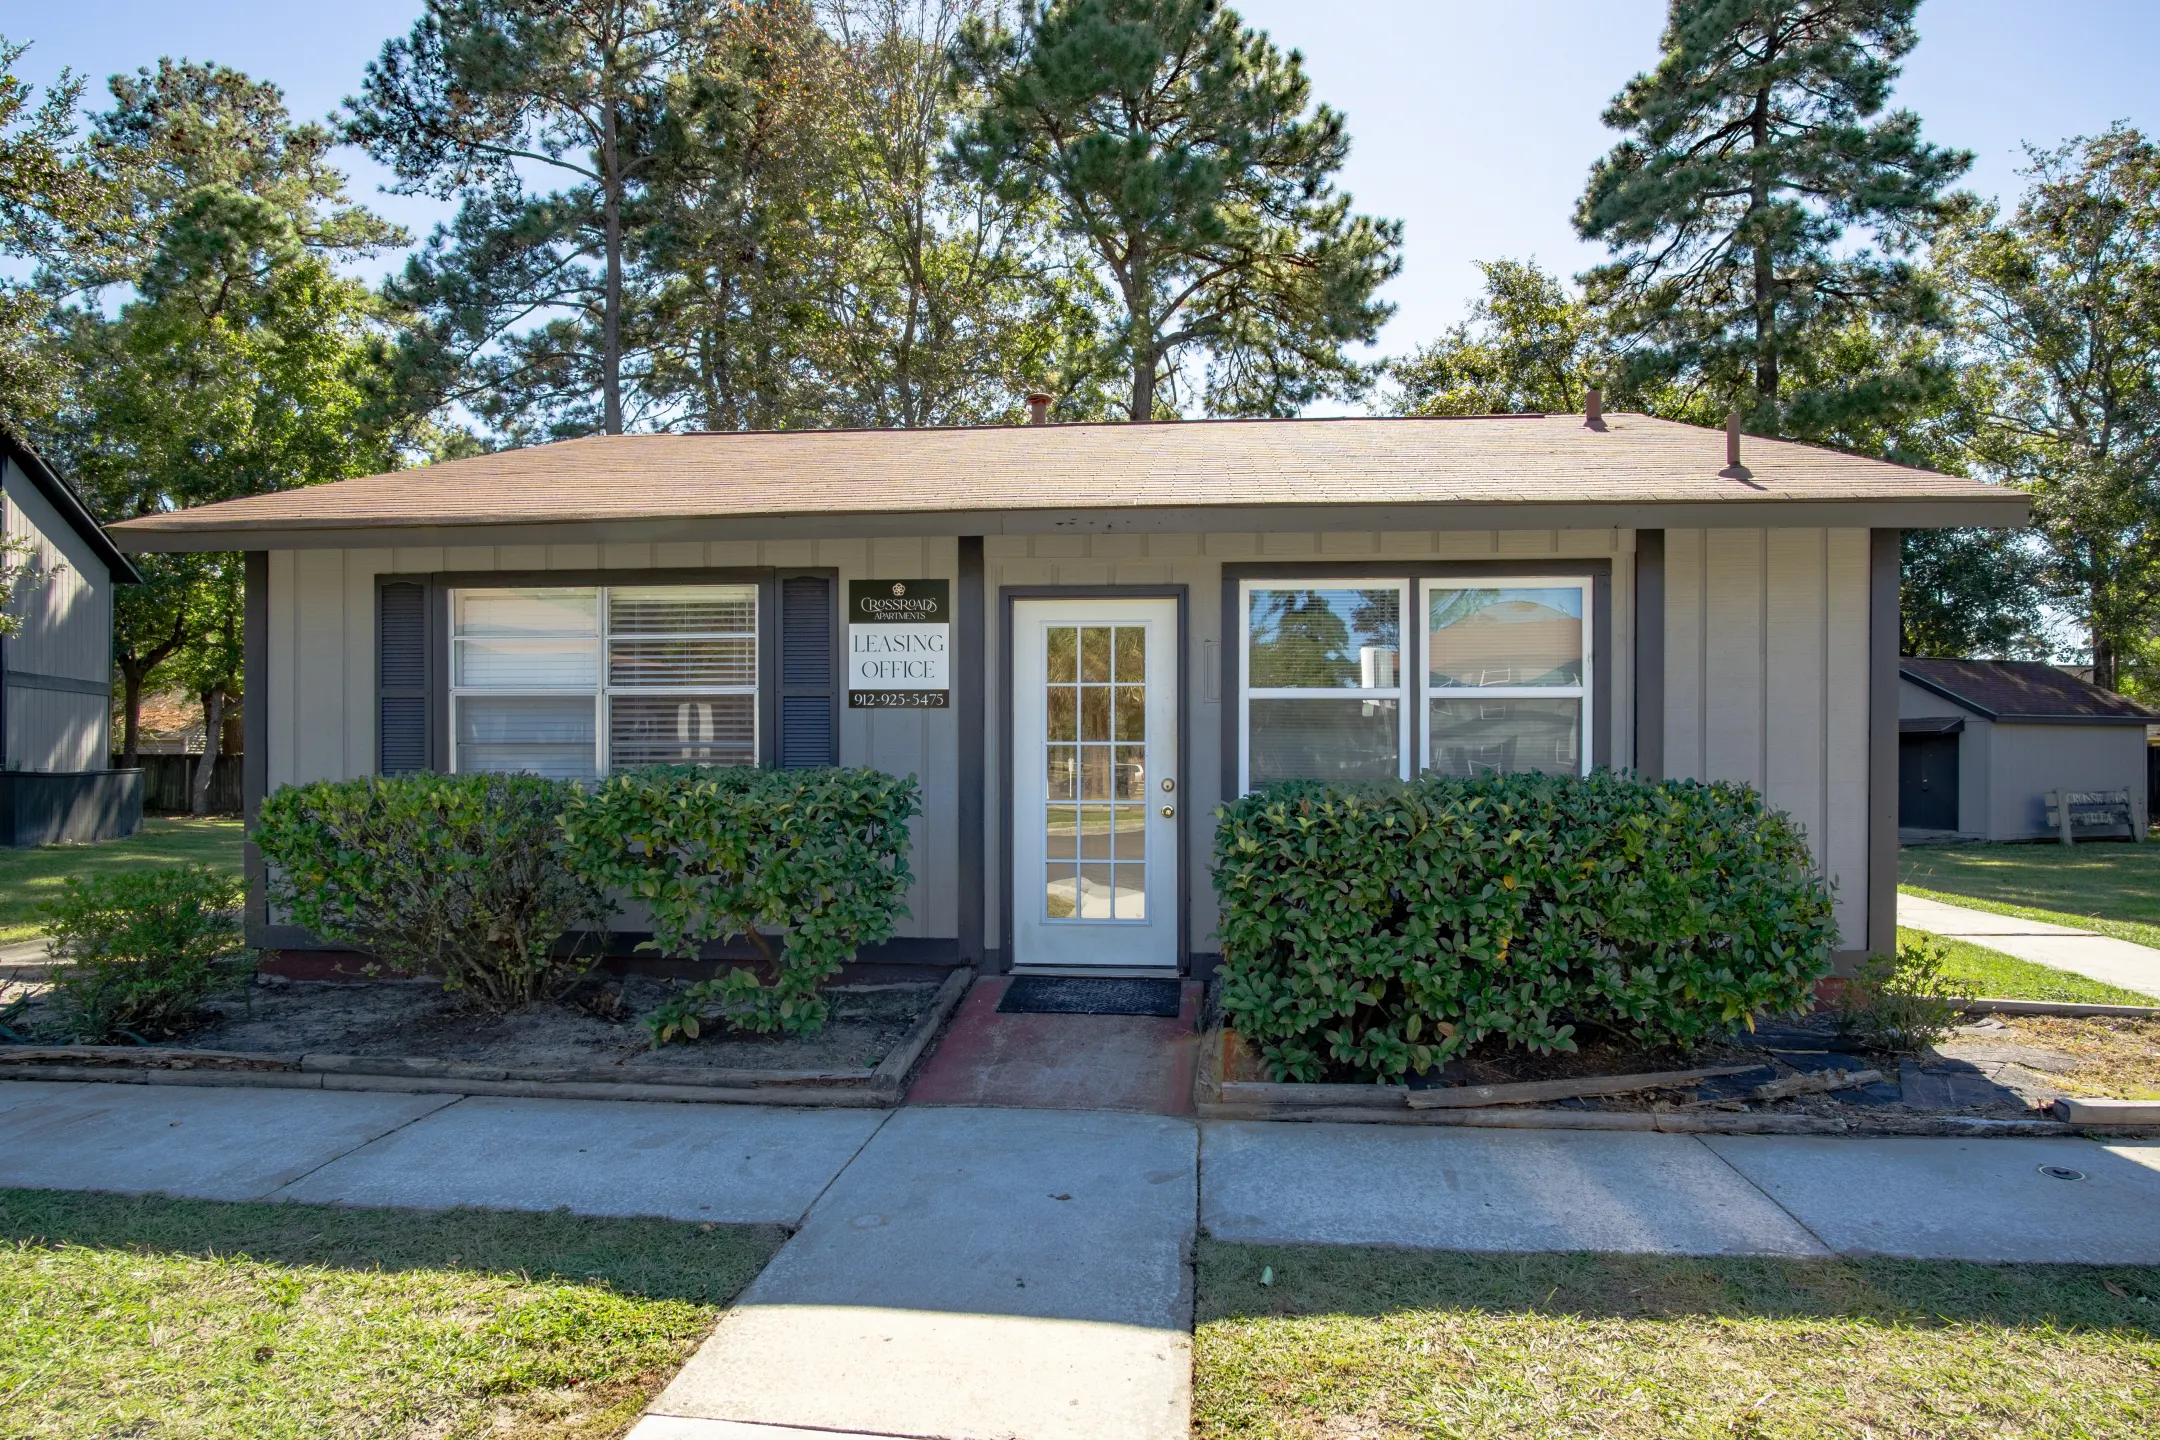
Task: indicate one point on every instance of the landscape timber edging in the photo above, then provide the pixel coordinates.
(2066, 1009)
(880, 1088)
(1215, 1098)
(1677, 1122)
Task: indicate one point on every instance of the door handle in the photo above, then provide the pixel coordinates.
(1168, 811)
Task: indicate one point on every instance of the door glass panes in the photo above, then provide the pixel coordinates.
(1095, 848)
(1505, 637)
(1507, 669)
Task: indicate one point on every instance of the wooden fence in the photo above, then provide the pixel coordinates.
(167, 778)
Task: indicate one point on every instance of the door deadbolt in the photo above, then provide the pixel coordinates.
(1168, 786)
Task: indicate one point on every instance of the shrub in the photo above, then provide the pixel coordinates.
(818, 854)
(457, 875)
(1384, 929)
(144, 947)
(1904, 1004)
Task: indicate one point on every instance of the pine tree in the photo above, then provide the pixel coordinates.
(1753, 149)
(482, 87)
(1182, 150)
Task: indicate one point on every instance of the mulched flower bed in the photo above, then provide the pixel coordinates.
(595, 1025)
(1995, 1067)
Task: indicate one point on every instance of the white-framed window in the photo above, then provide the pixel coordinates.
(576, 681)
(1506, 665)
(1323, 691)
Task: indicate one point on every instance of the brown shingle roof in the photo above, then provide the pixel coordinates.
(2024, 690)
(1489, 461)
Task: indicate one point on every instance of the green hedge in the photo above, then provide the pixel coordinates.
(462, 876)
(820, 855)
(144, 948)
(1383, 929)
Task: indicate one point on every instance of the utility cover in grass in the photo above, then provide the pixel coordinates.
(1071, 995)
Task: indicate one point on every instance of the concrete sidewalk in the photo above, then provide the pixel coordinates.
(2083, 952)
(981, 1274)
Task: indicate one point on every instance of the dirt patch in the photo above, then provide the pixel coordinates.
(597, 1024)
(2110, 1057)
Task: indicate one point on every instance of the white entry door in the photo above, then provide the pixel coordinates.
(1095, 784)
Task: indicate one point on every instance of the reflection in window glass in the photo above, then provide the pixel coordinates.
(1513, 636)
(1324, 639)
(1482, 736)
(1325, 738)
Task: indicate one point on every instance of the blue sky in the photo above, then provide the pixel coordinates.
(1474, 122)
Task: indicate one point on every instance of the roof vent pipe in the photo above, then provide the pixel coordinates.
(1038, 408)
(1593, 407)
(1732, 437)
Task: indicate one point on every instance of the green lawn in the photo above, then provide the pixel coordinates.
(2111, 888)
(1386, 1344)
(182, 1319)
(30, 877)
(1980, 971)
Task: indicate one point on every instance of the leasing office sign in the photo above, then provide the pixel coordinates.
(899, 644)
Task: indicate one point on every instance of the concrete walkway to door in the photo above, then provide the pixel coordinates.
(983, 1273)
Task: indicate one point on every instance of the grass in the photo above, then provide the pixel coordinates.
(147, 1316)
(1977, 970)
(2113, 889)
(1353, 1344)
(30, 877)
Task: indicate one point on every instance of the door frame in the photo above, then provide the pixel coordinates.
(1007, 594)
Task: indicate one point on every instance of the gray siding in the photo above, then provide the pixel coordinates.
(2027, 761)
(65, 603)
(1766, 638)
(1766, 681)
(322, 668)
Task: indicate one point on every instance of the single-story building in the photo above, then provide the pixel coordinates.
(1981, 743)
(1083, 637)
(56, 670)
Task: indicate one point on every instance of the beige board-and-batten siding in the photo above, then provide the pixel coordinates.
(1766, 663)
(64, 599)
(1766, 681)
(322, 668)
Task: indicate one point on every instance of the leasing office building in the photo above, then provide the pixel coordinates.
(1082, 638)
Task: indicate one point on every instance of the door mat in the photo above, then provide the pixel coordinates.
(1071, 995)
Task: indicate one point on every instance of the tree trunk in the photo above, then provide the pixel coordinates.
(611, 311)
(130, 716)
(1765, 278)
(213, 702)
(2103, 644)
(1143, 389)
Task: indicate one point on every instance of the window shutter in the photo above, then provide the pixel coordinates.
(809, 730)
(401, 679)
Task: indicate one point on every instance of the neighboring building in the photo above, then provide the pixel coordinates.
(1082, 638)
(1982, 742)
(56, 718)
